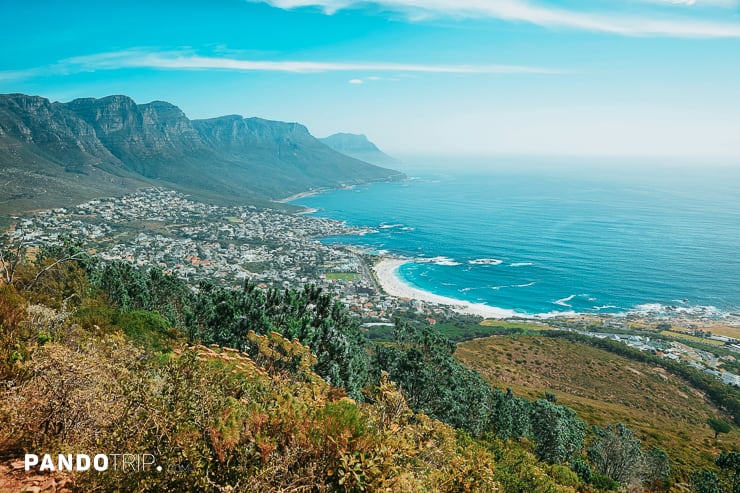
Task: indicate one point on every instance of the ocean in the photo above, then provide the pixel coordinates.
(551, 238)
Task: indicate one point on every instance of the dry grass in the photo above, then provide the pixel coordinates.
(689, 337)
(716, 329)
(508, 325)
(605, 388)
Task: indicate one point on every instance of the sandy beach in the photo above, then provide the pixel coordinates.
(386, 272)
(299, 196)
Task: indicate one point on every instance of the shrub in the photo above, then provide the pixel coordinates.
(583, 469)
(602, 482)
(147, 329)
(564, 475)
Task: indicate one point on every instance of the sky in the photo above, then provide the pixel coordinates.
(435, 77)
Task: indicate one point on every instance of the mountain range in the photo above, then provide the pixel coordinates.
(53, 154)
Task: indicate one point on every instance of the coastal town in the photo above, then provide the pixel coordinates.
(196, 241)
(286, 250)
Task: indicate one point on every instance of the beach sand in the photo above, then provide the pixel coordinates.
(298, 196)
(386, 271)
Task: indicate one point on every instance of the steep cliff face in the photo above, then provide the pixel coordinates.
(284, 155)
(49, 130)
(236, 134)
(144, 137)
(108, 139)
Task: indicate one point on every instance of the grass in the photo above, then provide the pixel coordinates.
(680, 335)
(723, 330)
(605, 388)
(460, 330)
(341, 276)
(514, 325)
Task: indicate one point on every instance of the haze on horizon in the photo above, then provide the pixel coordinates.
(450, 77)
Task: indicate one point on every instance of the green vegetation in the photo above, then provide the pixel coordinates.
(264, 390)
(522, 325)
(663, 410)
(341, 276)
(718, 426)
(705, 482)
(681, 335)
(725, 397)
(729, 463)
(557, 430)
(462, 328)
(616, 453)
(421, 361)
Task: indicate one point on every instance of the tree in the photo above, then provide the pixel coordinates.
(58, 275)
(52, 264)
(656, 468)
(502, 418)
(718, 426)
(123, 284)
(558, 431)
(616, 453)
(225, 317)
(12, 314)
(12, 252)
(421, 361)
(730, 462)
(705, 482)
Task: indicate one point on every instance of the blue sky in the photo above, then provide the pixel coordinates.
(449, 77)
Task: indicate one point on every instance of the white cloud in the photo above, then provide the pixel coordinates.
(187, 61)
(727, 4)
(546, 16)
(181, 60)
(372, 78)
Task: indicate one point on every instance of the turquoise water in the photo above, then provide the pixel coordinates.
(539, 240)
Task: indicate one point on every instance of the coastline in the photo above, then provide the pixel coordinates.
(387, 276)
(386, 272)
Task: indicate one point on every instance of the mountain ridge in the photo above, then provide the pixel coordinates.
(359, 147)
(54, 152)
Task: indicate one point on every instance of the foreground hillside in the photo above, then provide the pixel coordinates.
(207, 388)
(54, 154)
(89, 371)
(604, 387)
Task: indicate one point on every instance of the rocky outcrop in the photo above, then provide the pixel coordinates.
(50, 130)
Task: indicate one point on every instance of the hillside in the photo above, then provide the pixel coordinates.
(358, 146)
(219, 390)
(604, 388)
(54, 154)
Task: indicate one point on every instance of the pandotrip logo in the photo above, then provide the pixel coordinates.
(91, 462)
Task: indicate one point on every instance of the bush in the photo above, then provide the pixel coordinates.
(582, 468)
(602, 482)
(564, 475)
(147, 329)
(12, 338)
